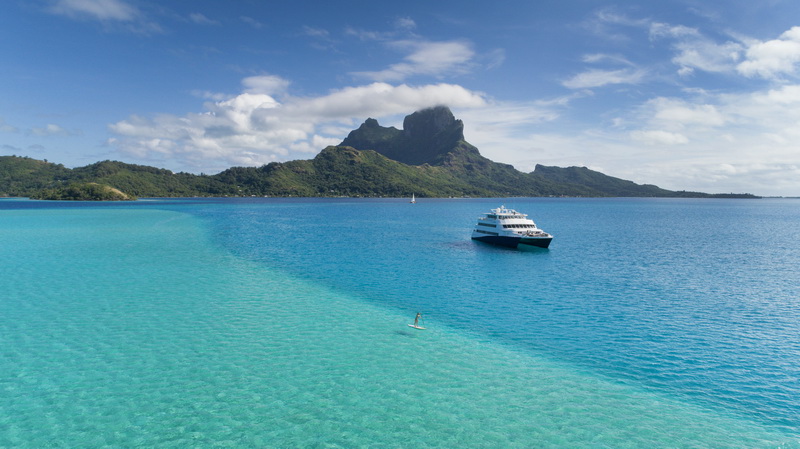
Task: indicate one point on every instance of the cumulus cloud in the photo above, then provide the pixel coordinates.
(785, 95)
(426, 58)
(256, 126)
(716, 142)
(771, 59)
(707, 141)
(774, 58)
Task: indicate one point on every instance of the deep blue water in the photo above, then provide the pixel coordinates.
(697, 301)
(700, 298)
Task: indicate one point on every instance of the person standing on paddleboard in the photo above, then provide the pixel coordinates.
(416, 319)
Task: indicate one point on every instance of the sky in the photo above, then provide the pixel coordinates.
(683, 94)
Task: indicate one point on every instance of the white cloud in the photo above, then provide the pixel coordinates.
(405, 23)
(208, 95)
(658, 29)
(201, 19)
(706, 55)
(96, 9)
(746, 142)
(695, 51)
(494, 58)
(6, 128)
(715, 143)
(522, 133)
(113, 14)
(603, 57)
(265, 84)
(252, 22)
(659, 137)
(599, 78)
(365, 35)
(678, 114)
(609, 16)
(51, 130)
(426, 58)
(629, 74)
(316, 32)
(774, 58)
(253, 127)
(787, 95)
(381, 99)
(605, 23)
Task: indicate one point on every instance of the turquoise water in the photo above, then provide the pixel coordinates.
(282, 323)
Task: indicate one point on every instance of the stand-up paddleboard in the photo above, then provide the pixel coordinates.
(417, 327)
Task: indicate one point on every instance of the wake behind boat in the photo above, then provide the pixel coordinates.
(507, 227)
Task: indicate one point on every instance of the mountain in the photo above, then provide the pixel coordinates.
(23, 176)
(142, 180)
(599, 182)
(428, 157)
(428, 136)
(19, 176)
(434, 137)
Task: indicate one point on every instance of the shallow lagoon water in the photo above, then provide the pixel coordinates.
(282, 323)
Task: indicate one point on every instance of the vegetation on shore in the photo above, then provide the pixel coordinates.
(85, 191)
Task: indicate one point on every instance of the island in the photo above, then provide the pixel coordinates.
(429, 157)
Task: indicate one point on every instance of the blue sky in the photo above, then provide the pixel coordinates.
(684, 94)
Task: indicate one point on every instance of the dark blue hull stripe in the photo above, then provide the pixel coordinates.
(540, 243)
(512, 242)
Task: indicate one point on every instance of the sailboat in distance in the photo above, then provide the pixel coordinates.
(413, 199)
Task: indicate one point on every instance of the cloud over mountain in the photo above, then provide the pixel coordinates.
(263, 123)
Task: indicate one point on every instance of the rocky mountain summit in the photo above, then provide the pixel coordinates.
(427, 137)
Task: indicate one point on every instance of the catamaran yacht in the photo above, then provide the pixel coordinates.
(507, 227)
